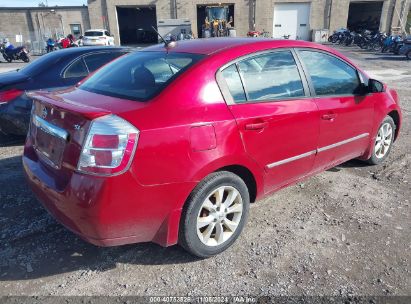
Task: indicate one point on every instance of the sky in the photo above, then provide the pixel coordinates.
(19, 3)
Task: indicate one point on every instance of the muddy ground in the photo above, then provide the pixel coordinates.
(343, 232)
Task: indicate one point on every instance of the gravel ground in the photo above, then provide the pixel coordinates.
(343, 232)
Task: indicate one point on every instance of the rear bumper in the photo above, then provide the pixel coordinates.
(109, 211)
(89, 43)
(15, 116)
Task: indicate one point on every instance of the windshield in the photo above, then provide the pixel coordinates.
(217, 13)
(93, 34)
(139, 76)
(42, 63)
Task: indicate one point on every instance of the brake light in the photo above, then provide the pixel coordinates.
(109, 147)
(9, 95)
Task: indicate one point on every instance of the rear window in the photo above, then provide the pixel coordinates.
(93, 34)
(139, 76)
(43, 63)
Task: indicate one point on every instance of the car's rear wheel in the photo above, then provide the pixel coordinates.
(383, 141)
(408, 55)
(214, 215)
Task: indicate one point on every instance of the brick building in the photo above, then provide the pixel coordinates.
(129, 20)
(39, 23)
(275, 16)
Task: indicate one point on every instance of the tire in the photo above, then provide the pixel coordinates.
(376, 47)
(408, 55)
(386, 125)
(202, 203)
(7, 58)
(25, 58)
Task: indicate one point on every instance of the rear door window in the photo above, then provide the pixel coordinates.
(233, 81)
(139, 76)
(271, 76)
(265, 77)
(76, 69)
(95, 61)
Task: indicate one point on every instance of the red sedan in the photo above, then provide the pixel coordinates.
(171, 145)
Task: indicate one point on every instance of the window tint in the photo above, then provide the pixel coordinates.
(76, 69)
(140, 75)
(106, 33)
(43, 63)
(271, 76)
(93, 33)
(95, 61)
(232, 78)
(329, 75)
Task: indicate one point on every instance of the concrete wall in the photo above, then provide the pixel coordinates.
(35, 23)
(243, 13)
(332, 14)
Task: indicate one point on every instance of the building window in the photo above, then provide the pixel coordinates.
(75, 29)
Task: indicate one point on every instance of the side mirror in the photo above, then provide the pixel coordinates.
(375, 86)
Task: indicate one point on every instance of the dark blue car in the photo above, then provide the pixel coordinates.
(56, 70)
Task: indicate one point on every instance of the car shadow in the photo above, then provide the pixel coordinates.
(34, 245)
(354, 163)
(388, 57)
(10, 140)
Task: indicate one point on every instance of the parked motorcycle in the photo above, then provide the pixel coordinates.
(406, 48)
(51, 45)
(255, 34)
(11, 53)
(338, 36)
(392, 44)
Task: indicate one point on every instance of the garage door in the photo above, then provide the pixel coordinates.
(292, 19)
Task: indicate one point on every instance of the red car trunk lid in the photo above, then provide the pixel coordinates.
(58, 128)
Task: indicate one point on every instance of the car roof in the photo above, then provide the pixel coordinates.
(208, 46)
(87, 49)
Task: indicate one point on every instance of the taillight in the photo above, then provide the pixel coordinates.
(9, 95)
(109, 146)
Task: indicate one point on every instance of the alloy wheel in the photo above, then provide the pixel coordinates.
(383, 140)
(219, 216)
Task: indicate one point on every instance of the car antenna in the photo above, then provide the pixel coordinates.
(167, 45)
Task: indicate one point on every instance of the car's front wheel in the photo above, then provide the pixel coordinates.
(383, 141)
(214, 215)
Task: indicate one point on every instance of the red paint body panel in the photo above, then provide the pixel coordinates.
(187, 132)
(342, 118)
(292, 128)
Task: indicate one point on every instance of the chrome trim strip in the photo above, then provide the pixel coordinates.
(50, 128)
(297, 157)
(287, 160)
(337, 144)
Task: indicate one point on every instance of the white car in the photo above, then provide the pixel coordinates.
(97, 37)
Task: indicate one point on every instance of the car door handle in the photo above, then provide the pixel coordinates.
(256, 126)
(329, 116)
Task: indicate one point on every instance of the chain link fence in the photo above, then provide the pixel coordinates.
(35, 41)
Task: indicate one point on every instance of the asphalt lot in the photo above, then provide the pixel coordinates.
(343, 232)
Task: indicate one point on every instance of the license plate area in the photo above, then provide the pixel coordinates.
(49, 141)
